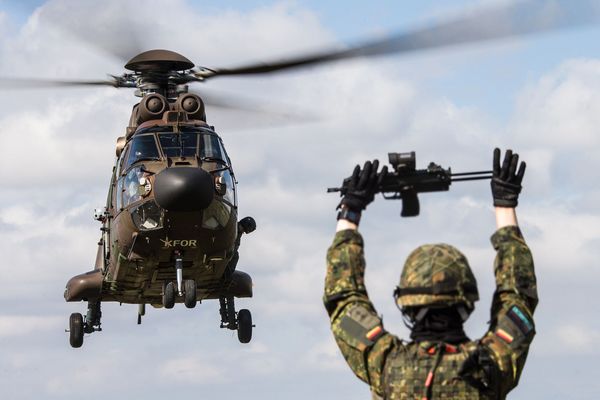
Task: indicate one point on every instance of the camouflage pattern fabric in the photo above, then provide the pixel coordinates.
(484, 369)
(437, 274)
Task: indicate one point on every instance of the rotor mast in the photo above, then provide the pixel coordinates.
(160, 71)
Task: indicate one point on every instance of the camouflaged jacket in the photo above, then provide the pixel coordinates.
(484, 369)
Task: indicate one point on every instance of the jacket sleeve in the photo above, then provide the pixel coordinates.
(512, 328)
(357, 328)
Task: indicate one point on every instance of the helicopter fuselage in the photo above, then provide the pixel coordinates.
(170, 229)
(172, 197)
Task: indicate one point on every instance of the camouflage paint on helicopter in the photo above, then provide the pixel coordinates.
(169, 229)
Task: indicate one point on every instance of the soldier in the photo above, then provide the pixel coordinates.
(436, 294)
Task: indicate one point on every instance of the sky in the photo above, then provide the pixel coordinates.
(538, 95)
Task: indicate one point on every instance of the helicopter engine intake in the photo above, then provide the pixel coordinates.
(192, 105)
(152, 106)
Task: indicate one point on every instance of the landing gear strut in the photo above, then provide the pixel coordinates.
(185, 289)
(78, 325)
(232, 320)
(141, 313)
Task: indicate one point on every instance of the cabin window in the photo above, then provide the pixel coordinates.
(216, 215)
(226, 179)
(147, 216)
(132, 189)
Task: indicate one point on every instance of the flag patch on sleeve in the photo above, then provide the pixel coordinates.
(502, 334)
(374, 333)
(519, 318)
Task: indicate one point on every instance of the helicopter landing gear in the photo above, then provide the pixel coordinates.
(78, 325)
(179, 270)
(168, 297)
(244, 326)
(190, 293)
(141, 312)
(76, 330)
(240, 321)
(185, 289)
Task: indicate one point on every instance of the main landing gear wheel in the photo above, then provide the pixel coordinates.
(240, 321)
(76, 330)
(189, 288)
(244, 323)
(168, 298)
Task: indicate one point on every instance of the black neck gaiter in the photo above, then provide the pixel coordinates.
(440, 325)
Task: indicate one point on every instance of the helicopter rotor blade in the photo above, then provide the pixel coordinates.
(235, 102)
(252, 113)
(512, 19)
(36, 83)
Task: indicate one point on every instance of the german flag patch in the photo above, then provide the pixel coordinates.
(374, 333)
(361, 327)
(502, 334)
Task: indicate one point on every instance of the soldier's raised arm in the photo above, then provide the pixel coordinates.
(504, 347)
(357, 328)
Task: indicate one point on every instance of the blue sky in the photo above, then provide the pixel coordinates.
(492, 79)
(539, 95)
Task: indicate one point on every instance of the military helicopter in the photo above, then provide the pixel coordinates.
(170, 231)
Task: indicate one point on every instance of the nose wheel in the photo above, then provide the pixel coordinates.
(170, 294)
(189, 287)
(168, 297)
(185, 288)
(236, 321)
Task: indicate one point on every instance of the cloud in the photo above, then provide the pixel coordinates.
(191, 370)
(57, 150)
(562, 109)
(578, 338)
(17, 325)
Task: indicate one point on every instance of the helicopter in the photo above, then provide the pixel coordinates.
(170, 232)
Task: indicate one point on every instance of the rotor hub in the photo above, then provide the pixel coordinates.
(159, 61)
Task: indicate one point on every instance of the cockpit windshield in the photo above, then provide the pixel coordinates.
(178, 144)
(143, 147)
(190, 142)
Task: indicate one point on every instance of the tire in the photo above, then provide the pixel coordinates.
(76, 330)
(189, 287)
(168, 295)
(244, 326)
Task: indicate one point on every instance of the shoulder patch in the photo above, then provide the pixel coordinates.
(361, 325)
(519, 318)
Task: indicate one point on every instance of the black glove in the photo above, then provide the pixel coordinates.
(506, 184)
(360, 188)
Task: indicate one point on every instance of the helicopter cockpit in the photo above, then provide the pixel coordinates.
(201, 146)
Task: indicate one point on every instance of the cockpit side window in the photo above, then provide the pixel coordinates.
(211, 148)
(121, 161)
(143, 147)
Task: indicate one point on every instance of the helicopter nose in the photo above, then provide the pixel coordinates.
(183, 189)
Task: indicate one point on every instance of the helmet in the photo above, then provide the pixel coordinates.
(436, 275)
